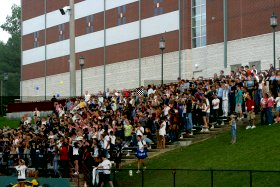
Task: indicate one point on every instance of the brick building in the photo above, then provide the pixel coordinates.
(120, 38)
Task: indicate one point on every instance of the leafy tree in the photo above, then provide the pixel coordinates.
(10, 52)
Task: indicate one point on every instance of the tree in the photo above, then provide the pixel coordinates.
(10, 52)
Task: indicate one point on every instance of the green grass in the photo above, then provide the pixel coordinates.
(256, 149)
(7, 122)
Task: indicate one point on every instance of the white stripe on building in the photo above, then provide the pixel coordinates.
(151, 26)
(81, 10)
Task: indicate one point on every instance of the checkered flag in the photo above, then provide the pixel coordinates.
(139, 91)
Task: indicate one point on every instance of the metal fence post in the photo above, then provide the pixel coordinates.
(174, 179)
(212, 178)
(114, 179)
(251, 181)
(142, 177)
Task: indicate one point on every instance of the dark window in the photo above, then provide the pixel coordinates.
(121, 15)
(158, 9)
(89, 24)
(61, 33)
(36, 38)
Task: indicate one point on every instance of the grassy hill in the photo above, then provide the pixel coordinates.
(256, 149)
(7, 122)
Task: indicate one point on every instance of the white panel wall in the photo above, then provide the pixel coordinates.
(33, 55)
(33, 25)
(210, 59)
(150, 27)
(122, 33)
(81, 10)
(123, 75)
(160, 24)
(88, 7)
(57, 49)
(58, 84)
(55, 18)
(29, 91)
(90, 41)
(118, 76)
(113, 3)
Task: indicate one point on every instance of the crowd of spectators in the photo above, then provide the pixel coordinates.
(79, 130)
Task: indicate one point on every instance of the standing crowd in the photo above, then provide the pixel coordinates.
(93, 129)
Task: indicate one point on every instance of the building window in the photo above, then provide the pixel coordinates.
(198, 23)
(36, 40)
(61, 32)
(89, 24)
(157, 7)
(121, 15)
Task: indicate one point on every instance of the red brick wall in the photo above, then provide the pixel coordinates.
(34, 8)
(32, 71)
(28, 40)
(246, 18)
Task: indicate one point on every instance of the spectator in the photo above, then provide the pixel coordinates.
(21, 172)
(264, 117)
(250, 104)
(104, 175)
(216, 105)
(270, 105)
(233, 128)
(162, 133)
(141, 152)
(239, 101)
(225, 100)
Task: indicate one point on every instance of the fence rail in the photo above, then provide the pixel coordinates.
(174, 172)
(173, 176)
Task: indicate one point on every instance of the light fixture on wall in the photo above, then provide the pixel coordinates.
(162, 47)
(196, 65)
(273, 24)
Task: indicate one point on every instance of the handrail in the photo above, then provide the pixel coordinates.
(85, 171)
(71, 168)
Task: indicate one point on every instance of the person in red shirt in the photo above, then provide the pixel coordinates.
(250, 104)
(64, 159)
(248, 71)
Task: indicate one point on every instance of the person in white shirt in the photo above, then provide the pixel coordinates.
(215, 103)
(150, 90)
(76, 157)
(225, 100)
(254, 70)
(36, 114)
(114, 106)
(139, 130)
(142, 148)
(87, 97)
(21, 171)
(107, 143)
(166, 109)
(162, 133)
(105, 173)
